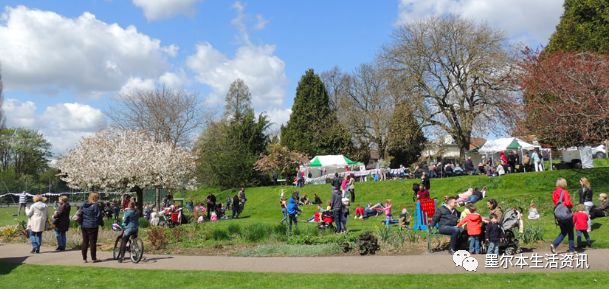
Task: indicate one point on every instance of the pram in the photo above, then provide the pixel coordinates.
(512, 220)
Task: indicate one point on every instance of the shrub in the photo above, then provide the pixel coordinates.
(234, 229)
(367, 244)
(157, 237)
(143, 223)
(531, 234)
(219, 234)
(256, 232)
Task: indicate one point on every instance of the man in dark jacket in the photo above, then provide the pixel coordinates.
(61, 220)
(446, 219)
(337, 210)
(336, 182)
(469, 166)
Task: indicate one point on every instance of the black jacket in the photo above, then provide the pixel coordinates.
(493, 232)
(336, 182)
(585, 195)
(62, 217)
(337, 202)
(444, 217)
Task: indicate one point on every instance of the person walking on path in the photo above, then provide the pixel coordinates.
(22, 202)
(585, 198)
(61, 220)
(563, 215)
(37, 221)
(91, 218)
(580, 219)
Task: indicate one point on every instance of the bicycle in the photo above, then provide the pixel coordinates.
(135, 245)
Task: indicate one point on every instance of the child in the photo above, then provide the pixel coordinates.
(359, 212)
(580, 218)
(404, 222)
(465, 212)
(533, 213)
(284, 210)
(387, 209)
(423, 193)
(415, 190)
(474, 228)
(214, 217)
(493, 235)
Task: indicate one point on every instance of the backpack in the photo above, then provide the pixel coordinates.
(561, 212)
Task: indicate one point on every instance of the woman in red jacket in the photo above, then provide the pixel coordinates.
(566, 226)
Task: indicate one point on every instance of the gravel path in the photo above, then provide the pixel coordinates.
(436, 263)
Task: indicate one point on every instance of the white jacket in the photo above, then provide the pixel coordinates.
(37, 216)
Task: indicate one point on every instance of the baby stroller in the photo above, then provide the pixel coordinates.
(512, 220)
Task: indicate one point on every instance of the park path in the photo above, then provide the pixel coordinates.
(435, 263)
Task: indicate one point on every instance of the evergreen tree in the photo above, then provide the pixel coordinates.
(228, 150)
(406, 139)
(584, 26)
(313, 127)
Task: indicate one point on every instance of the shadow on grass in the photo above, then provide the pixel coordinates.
(9, 264)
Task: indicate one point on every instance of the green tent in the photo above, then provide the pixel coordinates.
(334, 161)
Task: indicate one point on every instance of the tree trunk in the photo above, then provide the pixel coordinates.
(157, 199)
(139, 192)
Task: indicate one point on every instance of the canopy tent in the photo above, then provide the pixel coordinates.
(503, 144)
(332, 161)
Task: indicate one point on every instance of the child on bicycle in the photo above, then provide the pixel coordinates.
(130, 227)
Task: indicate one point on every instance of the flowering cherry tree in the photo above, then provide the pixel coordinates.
(119, 159)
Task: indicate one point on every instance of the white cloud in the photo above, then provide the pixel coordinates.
(522, 20)
(163, 9)
(63, 125)
(257, 66)
(136, 83)
(278, 117)
(44, 52)
(168, 79)
(261, 22)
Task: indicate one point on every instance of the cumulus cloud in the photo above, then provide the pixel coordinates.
(63, 125)
(44, 52)
(278, 117)
(256, 65)
(522, 20)
(163, 9)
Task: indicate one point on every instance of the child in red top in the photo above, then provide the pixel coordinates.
(423, 193)
(580, 219)
(474, 228)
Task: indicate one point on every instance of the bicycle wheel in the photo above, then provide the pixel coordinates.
(137, 250)
(117, 248)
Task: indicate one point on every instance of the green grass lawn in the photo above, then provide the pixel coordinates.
(516, 190)
(32, 276)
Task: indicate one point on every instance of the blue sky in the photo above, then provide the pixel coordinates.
(65, 62)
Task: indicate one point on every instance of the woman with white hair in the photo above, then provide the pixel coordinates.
(37, 221)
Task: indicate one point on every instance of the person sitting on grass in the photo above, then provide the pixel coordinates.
(317, 200)
(533, 213)
(445, 219)
(474, 228)
(316, 218)
(602, 210)
(370, 211)
(304, 200)
(580, 219)
(359, 212)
